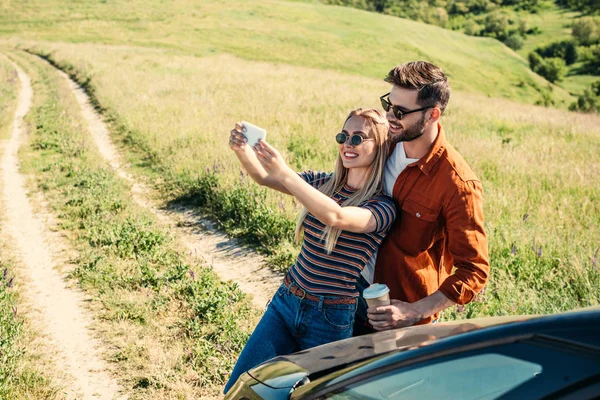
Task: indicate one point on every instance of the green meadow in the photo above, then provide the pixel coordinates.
(172, 79)
(295, 33)
(172, 115)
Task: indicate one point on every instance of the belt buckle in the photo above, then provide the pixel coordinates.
(303, 293)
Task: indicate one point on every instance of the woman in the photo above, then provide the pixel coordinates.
(344, 222)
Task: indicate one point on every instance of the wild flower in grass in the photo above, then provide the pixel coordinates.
(537, 249)
(192, 275)
(217, 167)
(525, 216)
(242, 176)
(482, 295)
(595, 259)
(219, 347)
(10, 283)
(460, 308)
(513, 249)
(281, 205)
(4, 275)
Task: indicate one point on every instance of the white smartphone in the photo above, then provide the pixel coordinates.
(253, 133)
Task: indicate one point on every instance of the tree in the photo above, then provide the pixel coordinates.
(496, 25)
(584, 6)
(593, 64)
(553, 69)
(565, 49)
(586, 30)
(514, 41)
(589, 101)
(535, 61)
(571, 54)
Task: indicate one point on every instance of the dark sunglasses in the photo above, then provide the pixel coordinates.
(398, 113)
(355, 140)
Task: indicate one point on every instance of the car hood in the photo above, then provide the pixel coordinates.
(288, 371)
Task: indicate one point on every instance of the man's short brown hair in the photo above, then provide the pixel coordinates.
(428, 79)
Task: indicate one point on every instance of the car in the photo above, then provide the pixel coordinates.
(511, 357)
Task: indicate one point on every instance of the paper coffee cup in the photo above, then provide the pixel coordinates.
(378, 294)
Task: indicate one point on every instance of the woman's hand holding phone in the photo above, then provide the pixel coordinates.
(237, 139)
(272, 161)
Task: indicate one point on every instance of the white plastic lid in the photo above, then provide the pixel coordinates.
(375, 290)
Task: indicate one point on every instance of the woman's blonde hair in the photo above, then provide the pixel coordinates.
(379, 126)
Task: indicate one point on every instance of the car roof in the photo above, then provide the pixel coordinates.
(573, 330)
(332, 356)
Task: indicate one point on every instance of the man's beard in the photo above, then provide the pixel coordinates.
(413, 132)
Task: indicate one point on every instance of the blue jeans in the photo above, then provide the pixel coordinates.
(291, 324)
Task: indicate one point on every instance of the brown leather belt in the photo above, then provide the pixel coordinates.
(303, 294)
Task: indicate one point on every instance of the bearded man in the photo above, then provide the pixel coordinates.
(436, 254)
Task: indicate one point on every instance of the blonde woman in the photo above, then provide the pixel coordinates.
(344, 220)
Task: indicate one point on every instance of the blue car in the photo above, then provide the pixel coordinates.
(516, 357)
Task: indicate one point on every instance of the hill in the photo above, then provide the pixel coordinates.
(307, 34)
(525, 26)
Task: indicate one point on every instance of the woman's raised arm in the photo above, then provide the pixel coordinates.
(325, 209)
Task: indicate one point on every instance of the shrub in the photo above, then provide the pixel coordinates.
(584, 6)
(553, 69)
(535, 61)
(586, 30)
(565, 49)
(589, 101)
(514, 41)
(593, 63)
(496, 25)
(545, 99)
(472, 28)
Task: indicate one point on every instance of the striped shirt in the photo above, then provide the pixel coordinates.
(336, 274)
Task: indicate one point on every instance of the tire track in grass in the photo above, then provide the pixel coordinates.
(63, 318)
(228, 257)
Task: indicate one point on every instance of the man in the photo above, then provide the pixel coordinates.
(435, 255)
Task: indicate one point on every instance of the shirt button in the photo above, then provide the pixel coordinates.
(418, 215)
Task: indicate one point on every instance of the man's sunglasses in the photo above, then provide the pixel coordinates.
(398, 113)
(355, 140)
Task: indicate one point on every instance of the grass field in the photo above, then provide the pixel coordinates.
(539, 167)
(296, 33)
(171, 328)
(172, 79)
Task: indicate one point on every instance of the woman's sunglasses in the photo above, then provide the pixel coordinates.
(355, 140)
(398, 113)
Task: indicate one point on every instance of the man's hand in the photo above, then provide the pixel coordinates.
(397, 315)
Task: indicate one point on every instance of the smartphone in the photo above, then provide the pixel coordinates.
(253, 133)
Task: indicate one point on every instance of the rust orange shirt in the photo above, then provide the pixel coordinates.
(438, 241)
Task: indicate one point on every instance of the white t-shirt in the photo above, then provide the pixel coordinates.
(393, 167)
